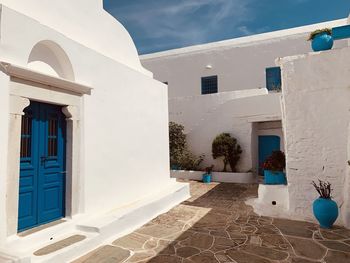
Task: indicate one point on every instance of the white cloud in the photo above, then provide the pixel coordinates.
(185, 22)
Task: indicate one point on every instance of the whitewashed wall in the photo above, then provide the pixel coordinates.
(235, 116)
(316, 99)
(124, 120)
(239, 63)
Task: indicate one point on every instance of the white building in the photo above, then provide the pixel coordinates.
(310, 114)
(240, 101)
(74, 150)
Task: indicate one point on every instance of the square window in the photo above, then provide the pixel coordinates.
(209, 85)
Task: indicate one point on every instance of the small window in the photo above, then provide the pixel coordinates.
(273, 78)
(52, 135)
(209, 85)
(26, 135)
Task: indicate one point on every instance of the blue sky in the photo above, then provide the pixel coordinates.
(157, 25)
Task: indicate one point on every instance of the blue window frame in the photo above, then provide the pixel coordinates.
(209, 85)
(273, 78)
(341, 32)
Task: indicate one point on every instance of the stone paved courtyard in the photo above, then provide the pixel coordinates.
(215, 225)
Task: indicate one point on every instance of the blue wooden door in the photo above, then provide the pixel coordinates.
(42, 166)
(267, 144)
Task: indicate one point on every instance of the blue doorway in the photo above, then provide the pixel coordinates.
(42, 166)
(267, 144)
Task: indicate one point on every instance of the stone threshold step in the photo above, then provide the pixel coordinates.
(59, 245)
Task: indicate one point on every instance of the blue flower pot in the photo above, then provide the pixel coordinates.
(175, 167)
(322, 41)
(206, 178)
(274, 177)
(325, 211)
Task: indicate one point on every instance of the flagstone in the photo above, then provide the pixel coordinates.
(337, 257)
(293, 228)
(205, 257)
(159, 231)
(242, 257)
(274, 241)
(131, 241)
(186, 252)
(105, 254)
(336, 246)
(327, 234)
(302, 260)
(307, 248)
(199, 240)
(165, 258)
(264, 252)
(206, 231)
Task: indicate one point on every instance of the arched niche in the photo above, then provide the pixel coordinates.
(49, 58)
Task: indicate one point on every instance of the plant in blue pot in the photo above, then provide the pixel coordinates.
(274, 167)
(321, 39)
(324, 208)
(208, 174)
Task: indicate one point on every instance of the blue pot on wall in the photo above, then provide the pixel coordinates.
(206, 178)
(325, 211)
(175, 167)
(321, 42)
(274, 177)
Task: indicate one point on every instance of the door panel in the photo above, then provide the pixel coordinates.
(42, 175)
(51, 179)
(267, 144)
(28, 210)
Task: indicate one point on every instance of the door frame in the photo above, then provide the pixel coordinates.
(260, 137)
(21, 92)
(39, 136)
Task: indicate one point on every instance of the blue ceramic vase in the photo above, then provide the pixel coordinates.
(321, 42)
(206, 178)
(325, 211)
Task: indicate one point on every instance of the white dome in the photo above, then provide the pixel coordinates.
(86, 22)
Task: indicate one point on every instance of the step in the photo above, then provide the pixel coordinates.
(137, 213)
(59, 245)
(81, 236)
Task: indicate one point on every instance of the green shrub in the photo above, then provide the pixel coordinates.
(177, 141)
(227, 147)
(313, 34)
(180, 155)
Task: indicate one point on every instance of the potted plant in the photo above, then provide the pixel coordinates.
(321, 39)
(274, 167)
(225, 146)
(324, 208)
(208, 173)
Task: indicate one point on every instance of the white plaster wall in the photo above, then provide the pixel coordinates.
(4, 117)
(239, 63)
(84, 21)
(125, 120)
(224, 177)
(192, 110)
(316, 99)
(234, 116)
